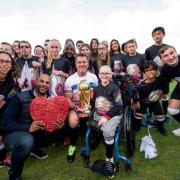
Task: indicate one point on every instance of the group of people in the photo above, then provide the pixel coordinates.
(47, 73)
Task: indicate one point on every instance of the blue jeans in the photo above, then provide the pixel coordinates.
(21, 143)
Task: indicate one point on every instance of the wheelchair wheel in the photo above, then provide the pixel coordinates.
(128, 132)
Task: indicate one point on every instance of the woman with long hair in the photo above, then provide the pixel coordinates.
(57, 67)
(116, 56)
(94, 46)
(8, 88)
(103, 58)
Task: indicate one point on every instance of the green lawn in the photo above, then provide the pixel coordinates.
(164, 167)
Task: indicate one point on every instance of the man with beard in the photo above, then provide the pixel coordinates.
(22, 135)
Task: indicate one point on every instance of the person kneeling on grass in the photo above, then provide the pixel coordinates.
(22, 135)
(108, 108)
(170, 71)
(150, 92)
(77, 118)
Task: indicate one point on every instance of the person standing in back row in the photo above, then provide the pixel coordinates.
(152, 54)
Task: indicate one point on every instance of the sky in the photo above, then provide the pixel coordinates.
(38, 20)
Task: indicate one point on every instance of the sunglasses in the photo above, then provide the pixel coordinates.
(24, 47)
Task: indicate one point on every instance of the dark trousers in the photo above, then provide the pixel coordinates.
(21, 144)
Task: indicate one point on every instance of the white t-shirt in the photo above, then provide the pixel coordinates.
(72, 83)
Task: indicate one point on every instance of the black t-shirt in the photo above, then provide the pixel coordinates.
(61, 64)
(6, 90)
(21, 61)
(169, 73)
(103, 62)
(150, 92)
(117, 59)
(137, 59)
(110, 97)
(152, 52)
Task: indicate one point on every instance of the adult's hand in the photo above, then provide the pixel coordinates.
(59, 125)
(2, 103)
(35, 126)
(36, 64)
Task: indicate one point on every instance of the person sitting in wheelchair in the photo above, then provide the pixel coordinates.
(150, 92)
(107, 108)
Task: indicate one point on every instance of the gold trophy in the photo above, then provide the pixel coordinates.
(84, 96)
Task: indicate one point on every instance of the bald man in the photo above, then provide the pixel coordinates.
(22, 135)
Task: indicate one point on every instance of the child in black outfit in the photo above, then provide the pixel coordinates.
(150, 92)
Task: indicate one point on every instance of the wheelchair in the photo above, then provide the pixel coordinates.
(124, 130)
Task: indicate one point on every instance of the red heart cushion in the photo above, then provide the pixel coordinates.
(50, 111)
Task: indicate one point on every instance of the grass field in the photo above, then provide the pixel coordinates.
(164, 167)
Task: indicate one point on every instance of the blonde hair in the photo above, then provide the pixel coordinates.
(49, 55)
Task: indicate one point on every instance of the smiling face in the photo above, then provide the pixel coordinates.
(82, 65)
(114, 46)
(69, 50)
(85, 50)
(43, 84)
(105, 74)
(39, 52)
(5, 64)
(170, 57)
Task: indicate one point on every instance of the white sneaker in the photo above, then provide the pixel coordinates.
(176, 132)
(110, 160)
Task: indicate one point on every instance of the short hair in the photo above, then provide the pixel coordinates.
(164, 48)
(149, 65)
(6, 43)
(79, 41)
(26, 42)
(105, 66)
(81, 55)
(158, 29)
(131, 41)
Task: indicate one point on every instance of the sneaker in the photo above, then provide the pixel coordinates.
(6, 162)
(71, 154)
(162, 131)
(144, 122)
(152, 124)
(168, 120)
(110, 160)
(110, 167)
(176, 132)
(149, 117)
(39, 154)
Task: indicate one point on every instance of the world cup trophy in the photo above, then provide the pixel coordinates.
(84, 96)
